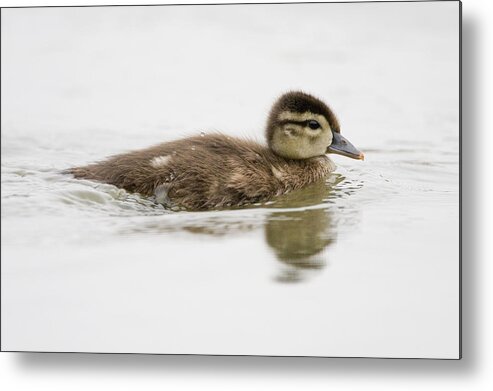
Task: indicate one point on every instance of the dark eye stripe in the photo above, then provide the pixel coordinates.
(302, 123)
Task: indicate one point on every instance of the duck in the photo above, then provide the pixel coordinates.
(215, 170)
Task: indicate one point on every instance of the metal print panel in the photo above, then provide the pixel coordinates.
(270, 179)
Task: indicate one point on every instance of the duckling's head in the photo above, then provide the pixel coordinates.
(301, 126)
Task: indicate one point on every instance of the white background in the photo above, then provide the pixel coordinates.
(40, 371)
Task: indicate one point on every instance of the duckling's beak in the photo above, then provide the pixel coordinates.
(343, 147)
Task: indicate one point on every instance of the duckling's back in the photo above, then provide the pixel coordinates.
(209, 171)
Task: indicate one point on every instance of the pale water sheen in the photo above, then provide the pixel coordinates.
(365, 264)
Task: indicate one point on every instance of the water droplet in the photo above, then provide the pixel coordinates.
(202, 134)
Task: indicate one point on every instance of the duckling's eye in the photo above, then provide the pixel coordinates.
(313, 124)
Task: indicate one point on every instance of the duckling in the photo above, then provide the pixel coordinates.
(216, 171)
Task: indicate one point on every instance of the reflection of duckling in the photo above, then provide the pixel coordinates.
(298, 236)
(216, 170)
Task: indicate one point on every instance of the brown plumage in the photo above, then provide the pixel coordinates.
(216, 170)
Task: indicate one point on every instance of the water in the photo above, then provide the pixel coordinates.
(365, 264)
